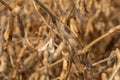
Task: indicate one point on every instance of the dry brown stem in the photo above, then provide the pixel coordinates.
(59, 39)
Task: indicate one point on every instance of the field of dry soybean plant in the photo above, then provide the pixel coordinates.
(59, 39)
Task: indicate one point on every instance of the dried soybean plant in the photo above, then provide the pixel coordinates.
(59, 39)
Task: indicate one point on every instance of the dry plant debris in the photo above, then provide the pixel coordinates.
(59, 39)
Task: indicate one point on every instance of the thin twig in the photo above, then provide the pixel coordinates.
(85, 49)
(6, 5)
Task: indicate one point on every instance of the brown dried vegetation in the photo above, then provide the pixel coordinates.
(59, 39)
